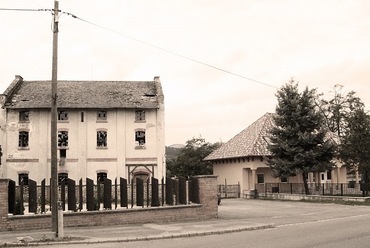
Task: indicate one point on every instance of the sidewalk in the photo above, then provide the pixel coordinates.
(129, 233)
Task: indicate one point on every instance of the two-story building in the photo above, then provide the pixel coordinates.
(106, 129)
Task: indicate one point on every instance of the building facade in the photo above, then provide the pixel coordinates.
(106, 129)
(243, 160)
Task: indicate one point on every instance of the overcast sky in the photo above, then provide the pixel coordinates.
(264, 42)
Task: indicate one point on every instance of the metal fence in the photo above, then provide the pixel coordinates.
(229, 191)
(330, 189)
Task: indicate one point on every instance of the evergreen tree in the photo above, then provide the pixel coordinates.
(355, 144)
(298, 140)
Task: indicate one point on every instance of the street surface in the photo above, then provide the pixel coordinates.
(297, 225)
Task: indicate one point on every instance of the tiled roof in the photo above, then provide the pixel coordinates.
(85, 94)
(252, 141)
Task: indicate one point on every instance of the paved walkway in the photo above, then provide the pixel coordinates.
(129, 233)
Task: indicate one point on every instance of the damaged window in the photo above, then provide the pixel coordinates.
(100, 176)
(62, 115)
(140, 138)
(24, 116)
(23, 139)
(23, 178)
(62, 177)
(101, 116)
(101, 138)
(139, 115)
(62, 138)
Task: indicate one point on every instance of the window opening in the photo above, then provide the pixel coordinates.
(24, 116)
(101, 176)
(139, 115)
(62, 138)
(140, 138)
(260, 178)
(82, 116)
(102, 116)
(62, 115)
(63, 153)
(328, 176)
(23, 139)
(23, 178)
(101, 138)
(62, 177)
(284, 179)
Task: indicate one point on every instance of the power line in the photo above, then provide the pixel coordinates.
(152, 45)
(177, 54)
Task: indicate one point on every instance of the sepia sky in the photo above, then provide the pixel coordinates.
(220, 61)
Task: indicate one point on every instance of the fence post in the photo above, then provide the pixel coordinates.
(323, 189)
(115, 193)
(4, 198)
(71, 187)
(225, 188)
(80, 196)
(32, 196)
(291, 188)
(43, 196)
(123, 192)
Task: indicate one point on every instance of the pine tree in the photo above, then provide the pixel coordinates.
(355, 144)
(298, 140)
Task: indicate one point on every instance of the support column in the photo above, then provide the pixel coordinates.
(356, 175)
(338, 174)
(253, 181)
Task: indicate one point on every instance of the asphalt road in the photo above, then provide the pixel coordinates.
(297, 225)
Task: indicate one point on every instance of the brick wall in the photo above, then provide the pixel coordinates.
(207, 209)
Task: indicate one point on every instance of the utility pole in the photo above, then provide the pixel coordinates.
(54, 196)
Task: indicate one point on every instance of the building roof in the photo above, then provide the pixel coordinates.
(252, 141)
(84, 94)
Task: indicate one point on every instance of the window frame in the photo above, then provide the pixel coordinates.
(61, 131)
(63, 116)
(260, 176)
(23, 175)
(106, 139)
(24, 116)
(102, 116)
(27, 146)
(139, 138)
(140, 115)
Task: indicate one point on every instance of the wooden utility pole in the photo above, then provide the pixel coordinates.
(54, 118)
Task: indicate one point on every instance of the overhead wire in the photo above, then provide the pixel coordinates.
(151, 45)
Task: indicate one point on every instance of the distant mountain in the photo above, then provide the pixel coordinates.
(173, 151)
(177, 146)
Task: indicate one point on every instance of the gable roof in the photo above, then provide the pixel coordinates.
(252, 141)
(85, 94)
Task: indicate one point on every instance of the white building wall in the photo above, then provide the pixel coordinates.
(84, 159)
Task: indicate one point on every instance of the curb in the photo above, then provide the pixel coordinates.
(148, 238)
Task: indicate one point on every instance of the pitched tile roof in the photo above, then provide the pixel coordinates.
(252, 141)
(85, 94)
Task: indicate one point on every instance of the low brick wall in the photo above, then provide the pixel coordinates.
(298, 197)
(207, 209)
